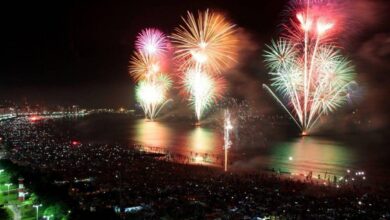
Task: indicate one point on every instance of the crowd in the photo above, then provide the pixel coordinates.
(121, 178)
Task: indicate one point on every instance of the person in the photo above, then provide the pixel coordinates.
(309, 176)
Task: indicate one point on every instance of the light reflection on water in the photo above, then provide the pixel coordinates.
(194, 142)
(153, 133)
(203, 140)
(319, 155)
(306, 154)
(300, 155)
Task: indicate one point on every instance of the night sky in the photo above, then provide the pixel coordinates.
(77, 52)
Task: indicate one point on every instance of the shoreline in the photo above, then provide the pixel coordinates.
(204, 172)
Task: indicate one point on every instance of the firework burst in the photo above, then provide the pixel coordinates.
(152, 95)
(145, 68)
(206, 46)
(307, 69)
(208, 39)
(151, 42)
(203, 89)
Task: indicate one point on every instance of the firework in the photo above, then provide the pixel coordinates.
(226, 137)
(152, 95)
(208, 40)
(307, 69)
(151, 42)
(206, 45)
(203, 89)
(145, 68)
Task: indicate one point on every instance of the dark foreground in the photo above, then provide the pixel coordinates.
(99, 179)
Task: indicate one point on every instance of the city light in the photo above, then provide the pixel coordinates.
(35, 118)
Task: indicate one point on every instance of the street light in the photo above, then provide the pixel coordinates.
(8, 185)
(47, 217)
(37, 208)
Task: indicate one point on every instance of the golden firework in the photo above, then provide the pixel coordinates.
(208, 40)
(143, 66)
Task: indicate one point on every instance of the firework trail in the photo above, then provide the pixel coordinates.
(306, 67)
(206, 45)
(226, 137)
(145, 68)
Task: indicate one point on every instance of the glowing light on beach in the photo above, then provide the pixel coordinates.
(199, 159)
(34, 118)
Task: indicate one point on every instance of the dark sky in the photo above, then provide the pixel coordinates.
(85, 45)
(53, 43)
(65, 52)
